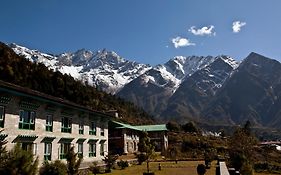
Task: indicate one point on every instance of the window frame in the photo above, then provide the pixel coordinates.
(81, 126)
(47, 151)
(93, 149)
(102, 148)
(49, 122)
(80, 149)
(102, 130)
(93, 128)
(68, 128)
(27, 115)
(64, 148)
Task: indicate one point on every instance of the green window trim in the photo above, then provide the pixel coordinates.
(64, 148)
(66, 124)
(81, 126)
(102, 147)
(49, 122)
(93, 128)
(48, 151)
(102, 131)
(81, 131)
(27, 120)
(92, 149)
(80, 150)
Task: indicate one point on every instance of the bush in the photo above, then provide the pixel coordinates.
(109, 160)
(123, 164)
(201, 169)
(247, 169)
(94, 168)
(54, 168)
(141, 158)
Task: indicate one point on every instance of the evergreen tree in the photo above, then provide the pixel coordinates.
(146, 148)
(19, 161)
(3, 153)
(241, 148)
(72, 163)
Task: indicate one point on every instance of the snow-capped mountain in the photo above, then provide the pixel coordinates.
(178, 87)
(198, 89)
(103, 69)
(154, 89)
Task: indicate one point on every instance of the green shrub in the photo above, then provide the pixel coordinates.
(54, 168)
(246, 169)
(94, 168)
(18, 161)
(201, 169)
(123, 164)
(109, 160)
(141, 158)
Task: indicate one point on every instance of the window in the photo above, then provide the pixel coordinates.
(66, 124)
(2, 116)
(80, 149)
(48, 151)
(92, 149)
(93, 129)
(81, 126)
(102, 148)
(64, 148)
(29, 146)
(128, 148)
(49, 122)
(102, 131)
(27, 120)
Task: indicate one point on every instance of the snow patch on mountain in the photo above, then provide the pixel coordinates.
(110, 72)
(103, 69)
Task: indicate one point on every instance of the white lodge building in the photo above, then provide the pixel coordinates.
(49, 126)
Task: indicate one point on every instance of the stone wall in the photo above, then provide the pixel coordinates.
(39, 134)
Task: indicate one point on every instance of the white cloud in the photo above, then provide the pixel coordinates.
(236, 26)
(182, 42)
(203, 31)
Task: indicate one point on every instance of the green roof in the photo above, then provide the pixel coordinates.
(147, 128)
(152, 127)
(123, 125)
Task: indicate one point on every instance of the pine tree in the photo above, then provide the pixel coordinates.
(19, 161)
(146, 148)
(72, 163)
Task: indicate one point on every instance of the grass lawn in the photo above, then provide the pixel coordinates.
(168, 168)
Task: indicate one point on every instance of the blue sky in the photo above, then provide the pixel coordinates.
(145, 30)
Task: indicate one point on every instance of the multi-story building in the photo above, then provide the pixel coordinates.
(49, 126)
(124, 138)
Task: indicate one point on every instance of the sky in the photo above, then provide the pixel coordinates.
(146, 31)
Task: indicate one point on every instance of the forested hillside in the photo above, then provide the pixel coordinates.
(18, 70)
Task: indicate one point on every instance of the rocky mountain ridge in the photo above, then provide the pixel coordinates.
(214, 90)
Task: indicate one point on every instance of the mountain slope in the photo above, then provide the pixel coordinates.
(211, 90)
(197, 90)
(103, 69)
(20, 71)
(153, 89)
(252, 93)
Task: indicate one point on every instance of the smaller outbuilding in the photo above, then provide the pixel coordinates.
(124, 138)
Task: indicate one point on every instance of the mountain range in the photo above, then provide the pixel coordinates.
(214, 90)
